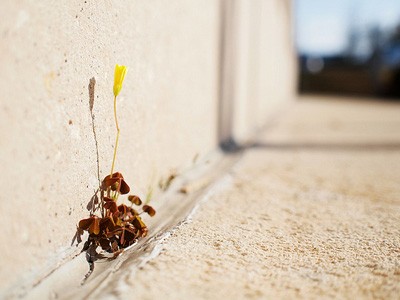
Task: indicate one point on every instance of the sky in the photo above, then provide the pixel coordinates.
(322, 25)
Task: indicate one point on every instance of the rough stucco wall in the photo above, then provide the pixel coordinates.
(266, 67)
(277, 74)
(167, 109)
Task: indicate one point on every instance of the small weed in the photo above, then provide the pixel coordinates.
(112, 226)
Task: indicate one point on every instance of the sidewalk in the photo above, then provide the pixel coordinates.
(311, 211)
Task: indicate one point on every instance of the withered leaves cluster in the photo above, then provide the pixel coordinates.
(119, 226)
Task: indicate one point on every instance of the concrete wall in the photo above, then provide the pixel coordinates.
(260, 73)
(168, 108)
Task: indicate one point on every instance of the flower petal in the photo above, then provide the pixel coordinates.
(119, 76)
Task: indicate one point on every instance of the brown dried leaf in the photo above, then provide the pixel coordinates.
(123, 209)
(135, 199)
(111, 205)
(130, 237)
(107, 224)
(85, 223)
(149, 210)
(117, 177)
(125, 189)
(138, 223)
(95, 226)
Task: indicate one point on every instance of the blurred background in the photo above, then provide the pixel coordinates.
(348, 47)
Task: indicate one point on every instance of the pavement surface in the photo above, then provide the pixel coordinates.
(312, 210)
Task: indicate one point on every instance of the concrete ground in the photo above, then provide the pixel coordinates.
(311, 211)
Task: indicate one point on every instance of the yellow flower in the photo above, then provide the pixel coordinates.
(119, 76)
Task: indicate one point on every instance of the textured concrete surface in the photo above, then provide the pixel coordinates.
(53, 149)
(312, 211)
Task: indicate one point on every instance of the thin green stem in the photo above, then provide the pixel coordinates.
(116, 141)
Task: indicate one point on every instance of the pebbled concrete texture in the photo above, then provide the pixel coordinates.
(305, 214)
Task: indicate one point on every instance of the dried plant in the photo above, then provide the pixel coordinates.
(113, 227)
